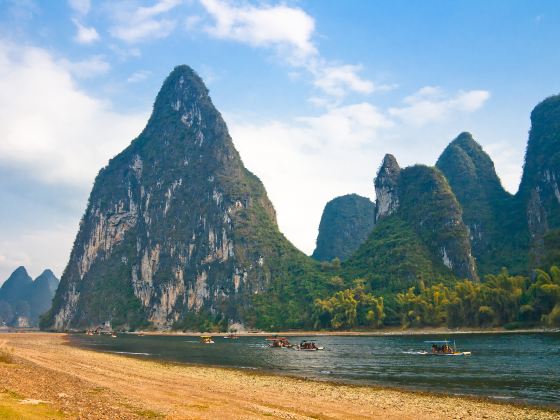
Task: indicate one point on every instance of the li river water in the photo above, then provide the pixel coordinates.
(515, 367)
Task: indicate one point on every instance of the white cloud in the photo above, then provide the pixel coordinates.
(347, 126)
(263, 26)
(91, 67)
(289, 32)
(337, 80)
(430, 104)
(49, 126)
(80, 6)
(135, 24)
(138, 76)
(85, 34)
(56, 134)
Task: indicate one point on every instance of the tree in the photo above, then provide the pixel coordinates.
(428, 308)
(349, 308)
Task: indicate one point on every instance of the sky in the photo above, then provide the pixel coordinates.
(314, 94)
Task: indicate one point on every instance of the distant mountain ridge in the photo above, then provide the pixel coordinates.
(178, 234)
(23, 300)
(455, 220)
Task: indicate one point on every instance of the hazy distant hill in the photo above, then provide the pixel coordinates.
(23, 300)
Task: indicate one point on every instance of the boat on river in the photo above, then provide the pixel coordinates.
(444, 348)
(279, 342)
(308, 345)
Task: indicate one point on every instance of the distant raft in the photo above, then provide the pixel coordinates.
(206, 339)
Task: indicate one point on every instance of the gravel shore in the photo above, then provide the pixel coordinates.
(48, 375)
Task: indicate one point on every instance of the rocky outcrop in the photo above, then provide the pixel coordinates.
(345, 224)
(387, 187)
(175, 228)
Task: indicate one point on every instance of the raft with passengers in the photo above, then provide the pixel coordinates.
(444, 348)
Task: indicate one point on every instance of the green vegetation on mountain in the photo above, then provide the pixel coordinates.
(393, 258)
(490, 212)
(345, 224)
(178, 234)
(430, 207)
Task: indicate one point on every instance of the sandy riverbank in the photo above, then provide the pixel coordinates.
(73, 382)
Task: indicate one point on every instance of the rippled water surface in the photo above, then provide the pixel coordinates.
(520, 367)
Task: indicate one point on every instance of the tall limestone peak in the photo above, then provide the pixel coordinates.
(175, 228)
(472, 161)
(539, 191)
(488, 210)
(466, 151)
(183, 99)
(386, 187)
(345, 224)
(428, 204)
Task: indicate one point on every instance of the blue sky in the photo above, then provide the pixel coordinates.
(314, 94)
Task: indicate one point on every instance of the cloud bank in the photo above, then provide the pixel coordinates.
(55, 134)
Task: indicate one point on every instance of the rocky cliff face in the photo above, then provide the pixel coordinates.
(175, 225)
(539, 192)
(387, 187)
(345, 224)
(23, 300)
(490, 213)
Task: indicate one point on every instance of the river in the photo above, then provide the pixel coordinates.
(511, 367)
